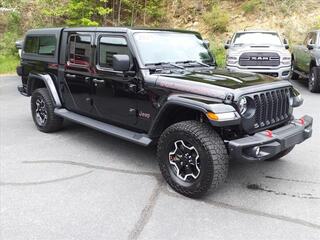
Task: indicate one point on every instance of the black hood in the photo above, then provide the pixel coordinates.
(216, 83)
(223, 78)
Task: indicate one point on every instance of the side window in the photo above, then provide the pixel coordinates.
(42, 45)
(31, 45)
(313, 38)
(109, 46)
(47, 45)
(79, 49)
(306, 41)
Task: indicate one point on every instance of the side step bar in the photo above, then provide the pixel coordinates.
(139, 138)
(301, 74)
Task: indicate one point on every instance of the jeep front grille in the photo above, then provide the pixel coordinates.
(272, 107)
(259, 59)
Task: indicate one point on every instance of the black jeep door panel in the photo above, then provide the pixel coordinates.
(112, 98)
(77, 73)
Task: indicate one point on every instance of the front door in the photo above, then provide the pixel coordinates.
(305, 52)
(113, 99)
(77, 73)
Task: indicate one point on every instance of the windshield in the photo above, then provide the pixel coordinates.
(166, 47)
(257, 38)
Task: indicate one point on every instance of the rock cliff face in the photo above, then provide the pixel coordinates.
(292, 18)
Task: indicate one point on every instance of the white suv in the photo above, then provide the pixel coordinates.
(259, 52)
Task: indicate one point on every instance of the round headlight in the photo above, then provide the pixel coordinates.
(243, 105)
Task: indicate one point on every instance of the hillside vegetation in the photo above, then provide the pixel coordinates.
(215, 19)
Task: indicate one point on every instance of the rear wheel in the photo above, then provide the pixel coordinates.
(192, 158)
(280, 154)
(42, 108)
(314, 80)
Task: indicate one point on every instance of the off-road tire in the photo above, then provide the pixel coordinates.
(53, 122)
(213, 157)
(314, 85)
(280, 155)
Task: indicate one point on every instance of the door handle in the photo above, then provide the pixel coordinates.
(70, 75)
(95, 80)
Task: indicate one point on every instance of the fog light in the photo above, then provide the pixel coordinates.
(253, 152)
(285, 73)
(256, 151)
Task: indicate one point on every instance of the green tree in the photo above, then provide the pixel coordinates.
(79, 12)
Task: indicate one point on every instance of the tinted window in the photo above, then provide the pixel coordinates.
(32, 45)
(80, 49)
(47, 45)
(109, 46)
(42, 45)
(307, 39)
(313, 38)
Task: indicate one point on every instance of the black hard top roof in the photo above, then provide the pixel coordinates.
(107, 29)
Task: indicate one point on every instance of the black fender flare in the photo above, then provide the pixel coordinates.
(217, 107)
(48, 81)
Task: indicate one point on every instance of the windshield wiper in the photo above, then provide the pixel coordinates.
(165, 63)
(193, 61)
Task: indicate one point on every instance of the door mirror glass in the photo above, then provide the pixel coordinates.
(206, 43)
(310, 45)
(227, 44)
(121, 62)
(286, 43)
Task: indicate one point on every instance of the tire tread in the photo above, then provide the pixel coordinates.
(213, 145)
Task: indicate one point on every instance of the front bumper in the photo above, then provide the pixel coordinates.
(283, 73)
(271, 142)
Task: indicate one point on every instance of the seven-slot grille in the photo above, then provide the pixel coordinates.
(259, 59)
(271, 107)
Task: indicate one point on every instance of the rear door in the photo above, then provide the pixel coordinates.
(78, 71)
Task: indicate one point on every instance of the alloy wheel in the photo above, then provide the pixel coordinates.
(41, 112)
(184, 160)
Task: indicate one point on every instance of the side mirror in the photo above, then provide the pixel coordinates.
(227, 44)
(121, 62)
(19, 44)
(286, 43)
(310, 46)
(206, 43)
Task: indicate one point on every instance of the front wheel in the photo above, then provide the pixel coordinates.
(192, 158)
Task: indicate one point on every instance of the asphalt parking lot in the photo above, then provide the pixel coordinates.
(81, 184)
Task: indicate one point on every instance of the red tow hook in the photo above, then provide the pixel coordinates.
(269, 133)
(301, 121)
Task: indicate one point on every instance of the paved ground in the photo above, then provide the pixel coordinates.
(80, 184)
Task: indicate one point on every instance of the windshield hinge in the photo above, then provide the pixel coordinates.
(229, 98)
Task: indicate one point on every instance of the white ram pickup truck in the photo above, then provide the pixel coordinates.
(259, 52)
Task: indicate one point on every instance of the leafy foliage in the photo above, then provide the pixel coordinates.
(250, 6)
(217, 19)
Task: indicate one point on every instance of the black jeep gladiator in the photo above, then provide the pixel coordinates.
(306, 60)
(152, 86)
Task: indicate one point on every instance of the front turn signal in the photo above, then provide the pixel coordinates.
(212, 116)
(228, 116)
